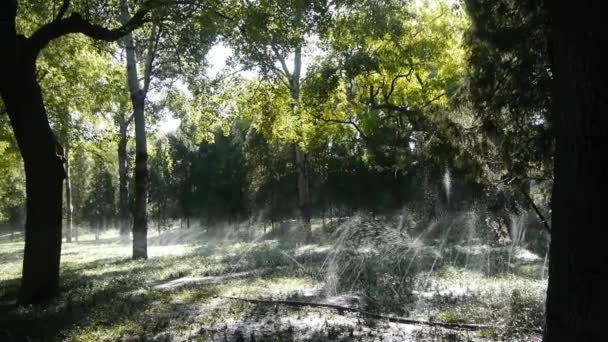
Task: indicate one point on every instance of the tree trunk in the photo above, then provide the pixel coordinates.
(42, 160)
(578, 266)
(140, 217)
(138, 98)
(159, 223)
(323, 218)
(304, 198)
(75, 232)
(123, 194)
(303, 192)
(68, 196)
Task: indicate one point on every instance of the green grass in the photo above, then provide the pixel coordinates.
(108, 297)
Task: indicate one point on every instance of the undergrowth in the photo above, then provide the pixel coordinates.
(108, 297)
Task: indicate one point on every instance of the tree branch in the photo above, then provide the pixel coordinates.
(152, 49)
(75, 23)
(266, 62)
(64, 8)
(342, 309)
(541, 217)
(419, 80)
(179, 59)
(429, 102)
(514, 180)
(391, 107)
(394, 83)
(344, 122)
(278, 56)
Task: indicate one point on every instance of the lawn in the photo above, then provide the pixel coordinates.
(180, 293)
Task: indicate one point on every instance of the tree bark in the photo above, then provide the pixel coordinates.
(69, 210)
(140, 216)
(123, 181)
(578, 267)
(138, 100)
(42, 160)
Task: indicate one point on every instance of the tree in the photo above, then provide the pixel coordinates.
(99, 207)
(138, 101)
(391, 77)
(267, 35)
(269, 176)
(161, 193)
(162, 46)
(510, 85)
(533, 83)
(71, 105)
(509, 90)
(181, 151)
(42, 156)
(80, 185)
(12, 190)
(576, 295)
(123, 120)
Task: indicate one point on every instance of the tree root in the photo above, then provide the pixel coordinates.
(342, 309)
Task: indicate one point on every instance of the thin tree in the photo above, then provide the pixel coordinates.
(267, 34)
(138, 101)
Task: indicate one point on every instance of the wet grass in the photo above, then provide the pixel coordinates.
(108, 297)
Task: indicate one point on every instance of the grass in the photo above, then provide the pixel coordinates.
(108, 297)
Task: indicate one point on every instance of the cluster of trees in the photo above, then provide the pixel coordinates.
(356, 105)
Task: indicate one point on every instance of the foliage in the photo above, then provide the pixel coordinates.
(12, 184)
(392, 85)
(160, 182)
(509, 86)
(100, 205)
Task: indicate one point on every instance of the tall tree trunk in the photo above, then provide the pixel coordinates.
(159, 220)
(42, 160)
(303, 192)
(578, 266)
(123, 191)
(138, 98)
(301, 156)
(140, 217)
(69, 210)
(75, 232)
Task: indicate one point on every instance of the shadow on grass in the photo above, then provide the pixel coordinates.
(103, 299)
(107, 299)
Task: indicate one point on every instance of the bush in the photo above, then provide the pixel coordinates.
(384, 280)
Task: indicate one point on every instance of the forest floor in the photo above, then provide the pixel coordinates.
(180, 293)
